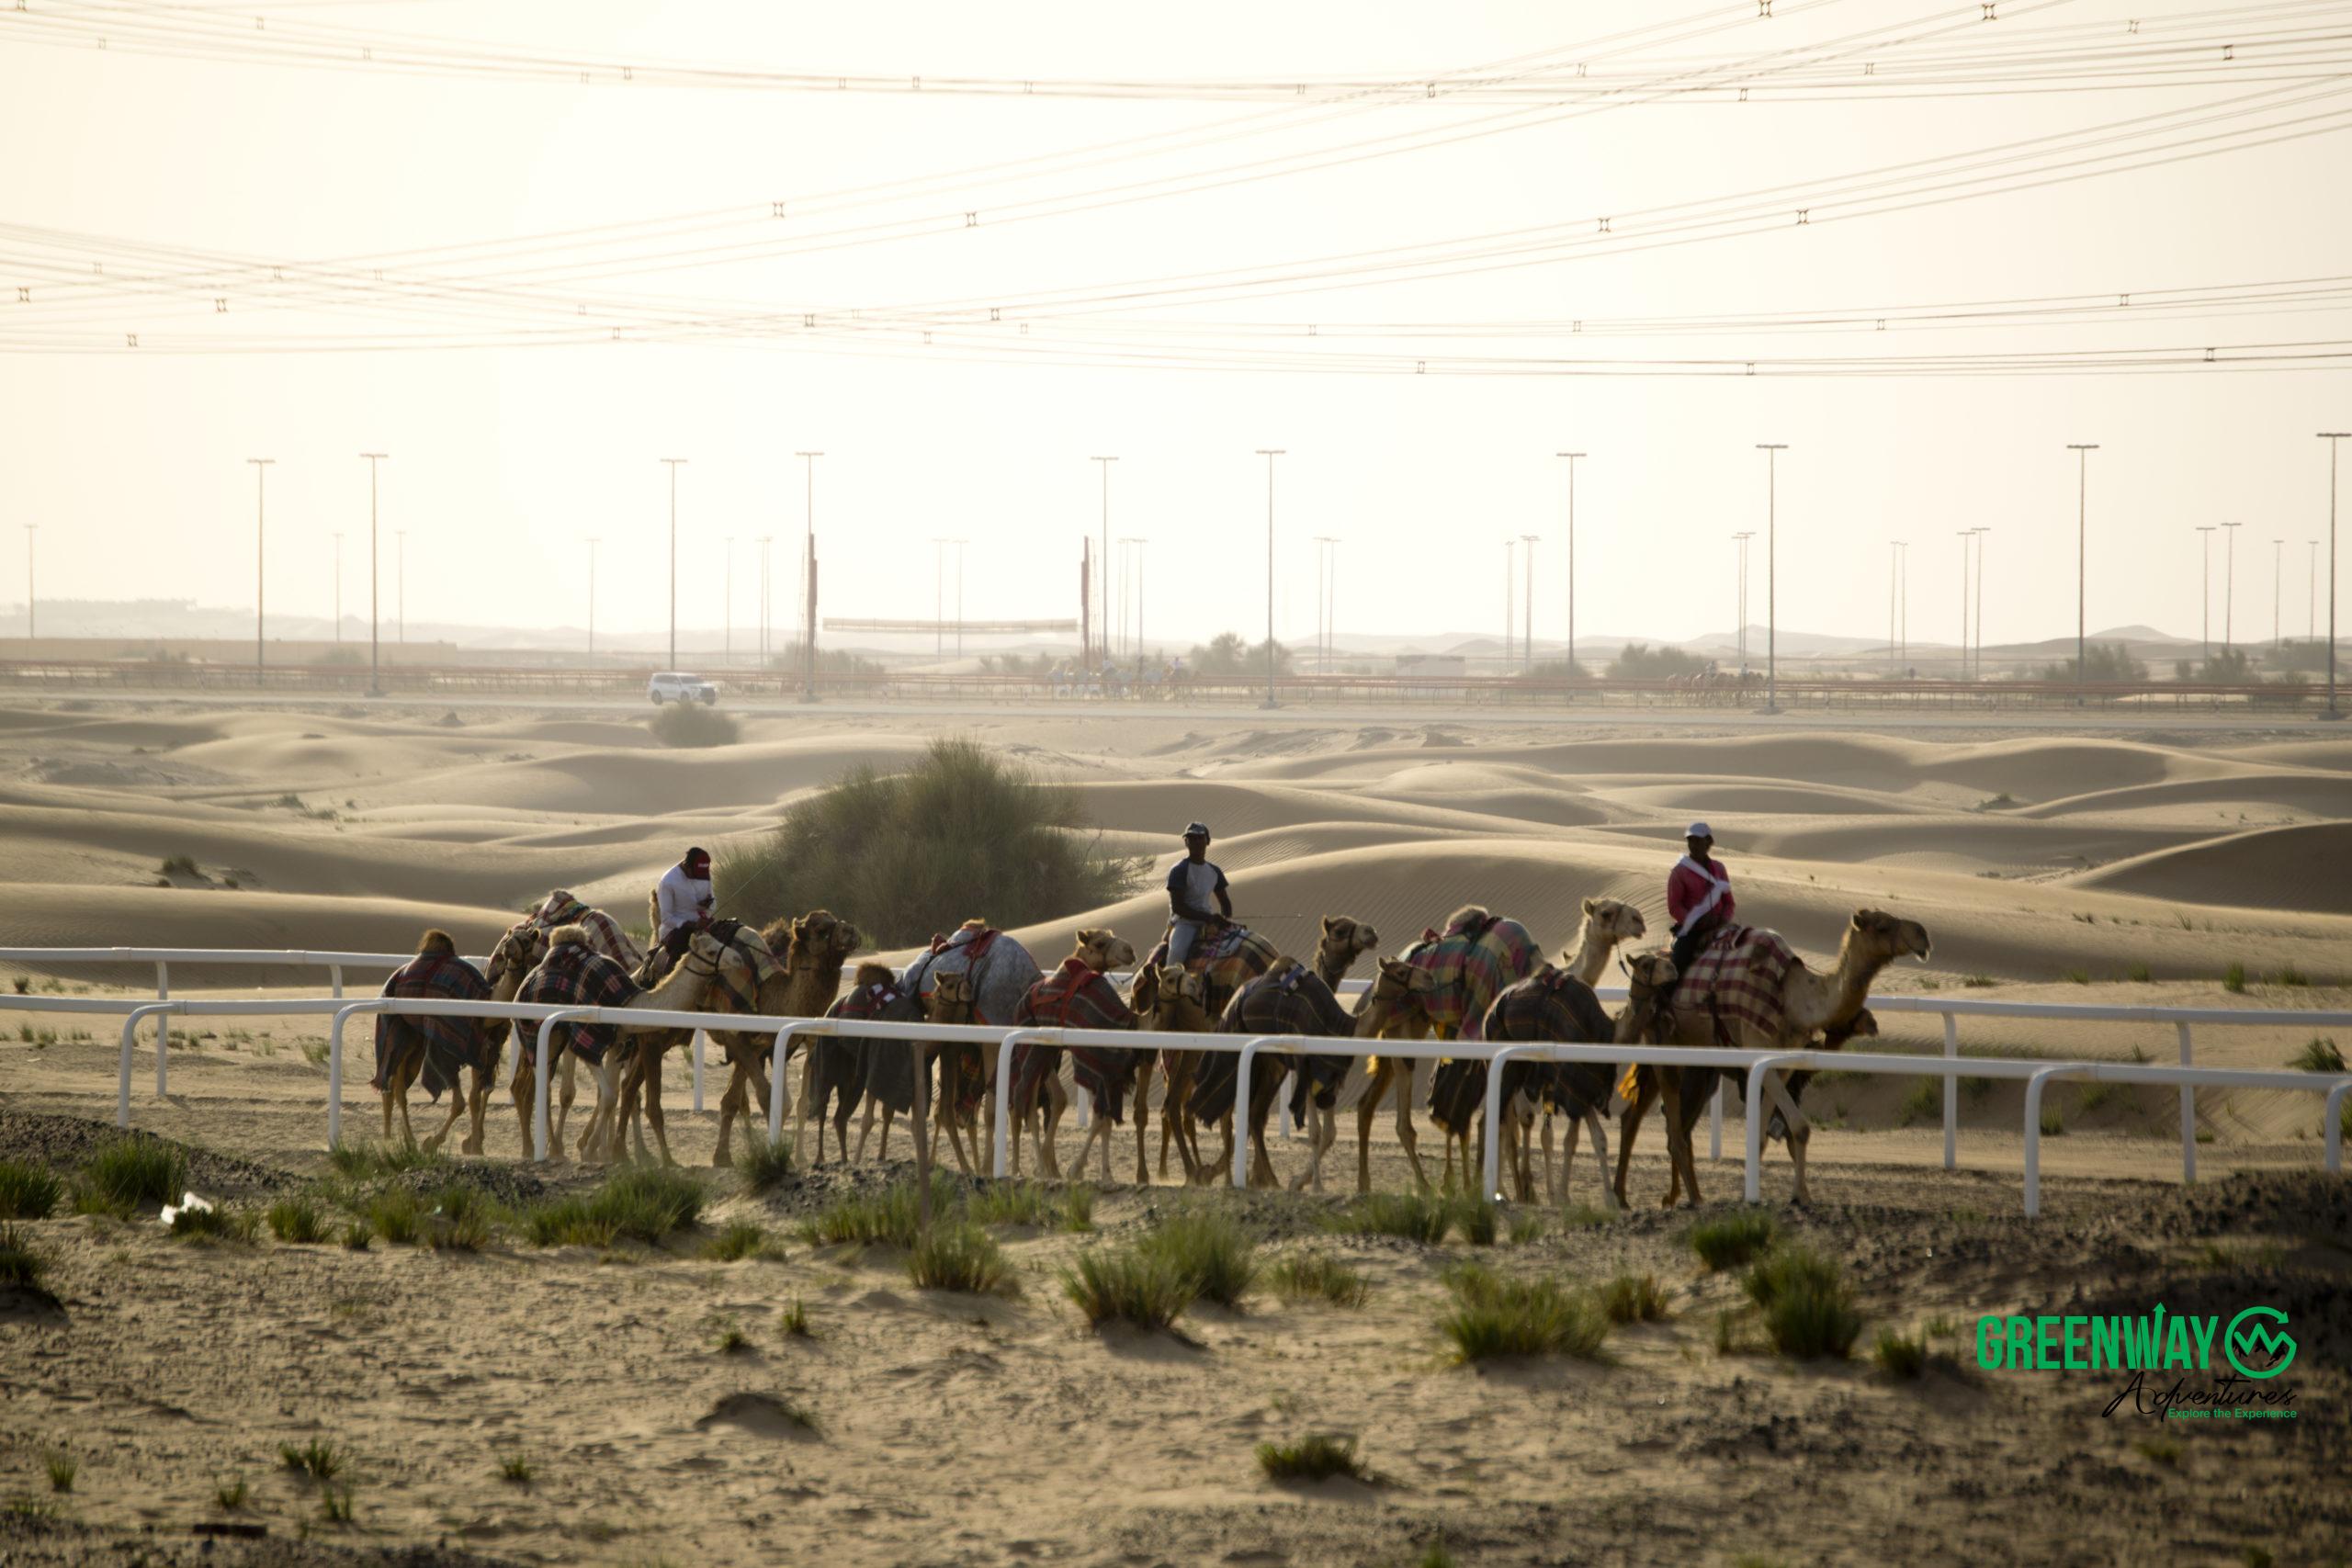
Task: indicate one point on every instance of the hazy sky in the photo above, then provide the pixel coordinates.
(504, 460)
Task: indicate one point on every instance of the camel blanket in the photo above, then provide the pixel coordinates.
(1734, 984)
(1292, 999)
(1551, 1006)
(1231, 960)
(1472, 960)
(571, 975)
(449, 1043)
(884, 1069)
(1076, 996)
(604, 934)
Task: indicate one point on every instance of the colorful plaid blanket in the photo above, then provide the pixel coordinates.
(1292, 999)
(449, 1043)
(1473, 960)
(604, 934)
(1076, 996)
(1553, 1006)
(1735, 981)
(571, 975)
(1231, 960)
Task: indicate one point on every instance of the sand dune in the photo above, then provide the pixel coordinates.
(47, 915)
(2318, 794)
(2271, 868)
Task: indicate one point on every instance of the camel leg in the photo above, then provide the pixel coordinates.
(520, 1092)
(883, 1153)
(730, 1105)
(800, 1112)
(1143, 1109)
(951, 1086)
(477, 1106)
(571, 1065)
(1600, 1153)
(1261, 1164)
(865, 1129)
(1645, 1091)
(841, 1128)
(1053, 1104)
(1405, 1133)
(457, 1108)
(1800, 1130)
(1678, 1139)
(654, 1061)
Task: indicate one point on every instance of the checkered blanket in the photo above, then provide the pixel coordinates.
(449, 1043)
(1231, 960)
(571, 975)
(1551, 1006)
(1735, 981)
(604, 934)
(1292, 1000)
(1472, 960)
(882, 1068)
(1076, 996)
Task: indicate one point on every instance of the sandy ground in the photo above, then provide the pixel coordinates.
(2105, 865)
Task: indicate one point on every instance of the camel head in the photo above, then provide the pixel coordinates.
(1179, 999)
(820, 937)
(871, 973)
(1877, 938)
(568, 936)
(1400, 992)
(1614, 920)
(1345, 938)
(953, 999)
(517, 954)
(1104, 950)
(1649, 996)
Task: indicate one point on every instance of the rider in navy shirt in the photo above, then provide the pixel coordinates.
(1193, 882)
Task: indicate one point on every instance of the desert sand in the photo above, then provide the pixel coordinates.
(2108, 865)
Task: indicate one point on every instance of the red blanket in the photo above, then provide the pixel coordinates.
(1736, 982)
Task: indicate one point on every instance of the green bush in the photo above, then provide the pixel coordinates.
(1728, 1242)
(318, 1459)
(1494, 1315)
(961, 829)
(1314, 1276)
(693, 725)
(1899, 1355)
(2233, 978)
(396, 1215)
(889, 1218)
(1209, 1252)
(1475, 1220)
(1315, 1457)
(1416, 1216)
(1011, 1203)
(2103, 662)
(219, 1223)
(739, 1240)
(1634, 1297)
(960, 1256)
(23, 1266)
(1126, 1285)
(1807, 1307)
(570, 1222)
(650, 1201)
(63, 1468)
(761, 1164)
(362, 1161)
(1640, 661)
(131, 1173)
(27, 1191)
(297, 1220)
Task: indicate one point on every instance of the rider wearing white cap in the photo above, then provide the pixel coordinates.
(1193, 882)
(1697, 896)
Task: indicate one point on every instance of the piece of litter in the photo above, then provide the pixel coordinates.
(189, 1203)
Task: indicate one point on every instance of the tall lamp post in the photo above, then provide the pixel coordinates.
(1572, 458)
(1893, 576)
(2278, 566)
(1134, 545)
(2205, 610)
(1527, 616)
(1903, 604)
(593, 540)
(1740, 598)
(1965, 536)
(400, 585)
(726, 615)
(261, 477)
(674, 463)
(1102, 565)
(808, 579)
(2082, 450)
(338, 586)
(1771, 450)
(32, 622)
(1979, 531)
(2332, 438)
(2229, 585)
(1270, 454)
(375, 663)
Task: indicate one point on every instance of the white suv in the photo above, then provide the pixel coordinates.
(676, 686)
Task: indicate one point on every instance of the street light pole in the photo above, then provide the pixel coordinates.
(400, 585)
(1903, 605)
(1527, 616)
(674, 463)
(1740, 599)
(1965, 535)
(375, 663)
(727, 614)
(1270, 454)
(32, 620)
(1131, 594)
(1140, 579)
(2278, 566)
(1572, 458)
(767, 603)
(938, 597)
(1979, 531)
(2083, 450)
(1510, 601)
(808, 579)
(2205, 620)
(2230, 585)
(1893, 572)
(593, 540)
(338, 587)
(2332, 438)
(261, 477)
(1771, 450)
(1103, 563)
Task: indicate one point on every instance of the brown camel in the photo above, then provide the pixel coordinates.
(474, 1042)
(1101, 950)
(1288, 999)
(965, 1073)
(1807, 1004)
(749, 970)
(1168, 1001)
(1394, 1002)
(1607, 923)
(814, 948)
(1699, 1082)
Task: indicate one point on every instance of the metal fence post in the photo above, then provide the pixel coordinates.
(2333, 1136)
(334, 979)
(698, 1039)
(1756, 1121)
(335, 1067)
(163, 994)
(2188, 1113)
(2033, 1087)
(1952, 1094)
(130, 1033)
(1715, 1120)
(776, 1089)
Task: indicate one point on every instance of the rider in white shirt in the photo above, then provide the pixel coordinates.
(683, 902)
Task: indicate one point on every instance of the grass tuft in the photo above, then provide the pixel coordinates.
(794, 1324)
(355, 1235)
(1634, 1297)
(130, 1173)
(731, 1339)
(2319, 1055)
(763, 1165)
(960, 1256)
(335, 1504)
(518, 1469)
(230, 1496)
(2075, 976)
(27, 1191)
(693, 725)
(1314, 1276)
(1316, 1457)
(2053, 1122)
(888, 1218)
(396, 1215)
(219, 1223)
(297, 1220)
(1900, 1355)
(1475, 1220)
(317, 1459)
(1807, 1307)
(2289, 976)
(1496, 1315)
(2233, 978)
(63, 1468)
(1415, 1216)
(2162, 1450)
(1733, 1239)
(1526, 1229)
(362, 1161)
(740, 1239)
(1208, 1251)
(1126, 1285)
(1924, 1099)
(2139, 971)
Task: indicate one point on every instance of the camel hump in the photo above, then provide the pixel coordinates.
(871, 973)
(437, 944)
(568, 936)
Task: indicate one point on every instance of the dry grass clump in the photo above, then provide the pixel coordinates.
(217, 1222)
(23, 1266)
(763, 1164)
(1314, 1276)
(693, 725)
(318, 1459)
(1634, 1297)
(1122, 1284)
(643, 1203)
(1316, 1457)
(1807, 1307)
(1733, 1239)
(1414, 1216)
(1496, 1315)
(961, 1256)
(1208, 1251)
(27, 1191)
(739, 1240)
(129, 1174)
(297, 1220)
(1900, 1355)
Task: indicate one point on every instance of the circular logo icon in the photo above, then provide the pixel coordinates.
(2251, 1333)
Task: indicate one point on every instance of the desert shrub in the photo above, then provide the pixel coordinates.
(570, 1222)
(2233, 978)
(731, 1339)
(2289, 976)
(693, 725)
(517, 1468)
(1634, 1297)
(1316, 1275)
(129, 1173)
(297, 1220)
(1011, 1203)
(318, 1459)
(1640, 661)
(794, 1322)
(215, 1223)
(1316, 1457)
(1900, 1355)
(1807, 1308)
(63, 1468)
(960, 1257)
(230, 1496)
(961, 828)
(1497, 1316)
(1229, 654)
(29, 1191)
(335, 1504)
(1526, 1229)
(1475, 1220)
(2102, 662)
(360, 1161)
(647, 1202)
(739, 1240)
(1126, 1285)
(2319, 1056)
(889, 1218)
(459, 1220)
(1208, 1251)
(396, 1215)
(2053, 1121)
(178, 865)
(1416, 1216)
(763, 1164)
(1728, 1242)
(23, 1266)
(1078, 1207)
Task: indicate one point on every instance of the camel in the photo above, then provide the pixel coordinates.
(1102, 952)
(750, 967)
(813, 949)
(1000, 972)
(1467, 964)
(1606, 924)
(410, 1041)
(1698, 1081)
(1805, 1004)
(1170, 1002)
(1343, 940)
(575, 979)
(1290, 999)
(849, 1069)
(1554, 1006)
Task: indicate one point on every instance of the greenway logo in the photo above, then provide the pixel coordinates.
(2255, 1348)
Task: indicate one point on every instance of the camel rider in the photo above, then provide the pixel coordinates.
(1193, 882)
(682, 902)
(1697, 896)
